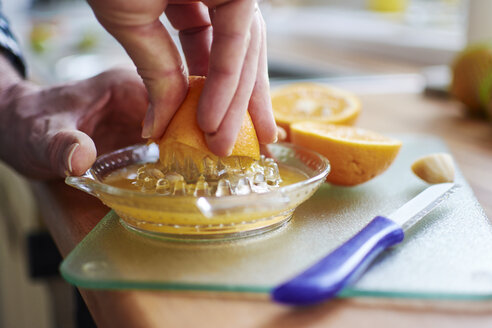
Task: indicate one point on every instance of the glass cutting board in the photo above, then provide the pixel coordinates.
(447, 255)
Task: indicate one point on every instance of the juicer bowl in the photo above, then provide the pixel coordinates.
(203, 218)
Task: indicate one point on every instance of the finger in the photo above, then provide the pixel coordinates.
(123, 113)
(70, 152)
(195, 34)
(157, 59)
(83, 103)
(222, 142)
(128, 97)
(231, 23)
(85, 106)
(115, 95)
(260, 105)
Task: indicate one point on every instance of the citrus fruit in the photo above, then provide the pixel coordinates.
(313, 102)
(356, 155)
(184, 138)
(472, 77)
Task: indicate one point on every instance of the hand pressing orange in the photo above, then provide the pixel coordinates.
(222, 39)
(183, 130)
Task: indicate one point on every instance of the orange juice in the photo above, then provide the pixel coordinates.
(180, 214)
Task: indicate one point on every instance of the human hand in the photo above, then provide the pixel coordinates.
(222, 39)
(55, 131)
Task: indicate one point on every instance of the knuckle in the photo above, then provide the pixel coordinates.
(175, 73)
(195, 30)
(232, 37)
(222, 70)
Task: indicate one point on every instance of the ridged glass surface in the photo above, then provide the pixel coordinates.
(446, 255)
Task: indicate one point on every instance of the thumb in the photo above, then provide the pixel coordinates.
(71, 152)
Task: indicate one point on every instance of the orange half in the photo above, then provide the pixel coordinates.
(184, 138)
(356, 155)
(313, 102)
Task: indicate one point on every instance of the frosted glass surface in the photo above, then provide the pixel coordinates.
(446, 255)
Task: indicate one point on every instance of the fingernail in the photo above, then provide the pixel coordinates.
(68, 164)
(281, 134)
(229, 152)
(148, 126)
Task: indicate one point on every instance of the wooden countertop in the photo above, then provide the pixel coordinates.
(70, 214)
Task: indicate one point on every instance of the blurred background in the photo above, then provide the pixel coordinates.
(306, 38)
(342, 40)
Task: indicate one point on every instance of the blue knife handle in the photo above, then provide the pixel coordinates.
(344, 265)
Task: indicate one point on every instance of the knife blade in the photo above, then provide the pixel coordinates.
(325, 279)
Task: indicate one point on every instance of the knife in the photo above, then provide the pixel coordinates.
(345, 265)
